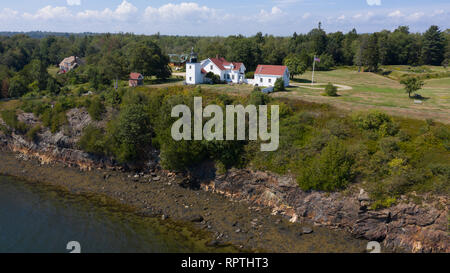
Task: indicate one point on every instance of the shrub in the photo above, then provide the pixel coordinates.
(258, 98)
(279, 85)
(376, 121)
(96, 109)
(215, 79)
(331, 90)
(53, 119)
(182, 155)
(10, 118)
(92, 140)
(32, 134)
(330, 171)
(250, 75)
(131, 133)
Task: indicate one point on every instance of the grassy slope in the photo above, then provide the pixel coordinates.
(375, 91)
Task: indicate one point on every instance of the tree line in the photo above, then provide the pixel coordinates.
(398, 47)
(23, 60)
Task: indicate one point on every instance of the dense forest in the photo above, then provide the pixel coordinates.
(25, 58)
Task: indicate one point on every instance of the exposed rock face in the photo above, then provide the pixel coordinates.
(61, 146)
(408, 226)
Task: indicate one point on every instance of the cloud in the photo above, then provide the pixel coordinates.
(122, 12)
(374, 2)
(306, 15)
(396, 13)
(275, 11)
(8, 14)
(183, 11)
(416, 16)
(74, 2)
(49, 12)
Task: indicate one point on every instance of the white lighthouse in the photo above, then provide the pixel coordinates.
(193, 69)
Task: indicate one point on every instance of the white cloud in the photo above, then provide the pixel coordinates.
(275, 11)
(183, 11)
(416, 16)
(49, 12)
(125, 9)
(374, 2)
(306, 15)
(8, 14)
(396, 13)
(342, 17)
(73, 2)
(122, 12)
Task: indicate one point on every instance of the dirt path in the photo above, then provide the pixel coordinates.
(309, 86)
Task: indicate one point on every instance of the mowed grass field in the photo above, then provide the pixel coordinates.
(373, 91)
(368, 91)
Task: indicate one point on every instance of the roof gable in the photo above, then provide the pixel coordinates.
(136, 76)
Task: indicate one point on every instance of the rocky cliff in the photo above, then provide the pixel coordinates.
(411, 227)
(414, 228)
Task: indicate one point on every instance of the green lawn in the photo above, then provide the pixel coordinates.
(375, 91)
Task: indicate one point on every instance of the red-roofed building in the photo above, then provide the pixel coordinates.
(267, 75)
(227, 71)
(136, 79)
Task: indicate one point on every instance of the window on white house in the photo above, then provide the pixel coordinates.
(190, 67)
(232, 77)
(270, 80)
(211, 67)
(190, 78)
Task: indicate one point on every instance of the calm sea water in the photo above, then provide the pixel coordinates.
(36, 218)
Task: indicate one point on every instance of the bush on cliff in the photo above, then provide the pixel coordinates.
(10, 118)
(92, 140)
(96, 108)
(32, 134)
(330, 171)
(130, 135)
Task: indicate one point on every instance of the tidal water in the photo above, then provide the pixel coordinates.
(41, 219)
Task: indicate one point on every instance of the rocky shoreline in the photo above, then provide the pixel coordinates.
(280, 213)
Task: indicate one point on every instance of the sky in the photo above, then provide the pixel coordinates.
(222, 18)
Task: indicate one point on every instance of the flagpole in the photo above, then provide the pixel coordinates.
(314, 67)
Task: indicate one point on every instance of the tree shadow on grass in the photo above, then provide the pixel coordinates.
(301, 80)
(419, 97)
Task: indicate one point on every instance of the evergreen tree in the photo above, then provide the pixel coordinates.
(433, 46)
(371, 55)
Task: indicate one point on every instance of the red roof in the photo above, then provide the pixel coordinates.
(237, 66)
(135, 76)
(204, 71)
(274, 70)
(221, 63)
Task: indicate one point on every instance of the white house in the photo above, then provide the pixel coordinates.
(267, 75)
(227, 71)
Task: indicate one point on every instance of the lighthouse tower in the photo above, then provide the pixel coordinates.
(193, 69)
